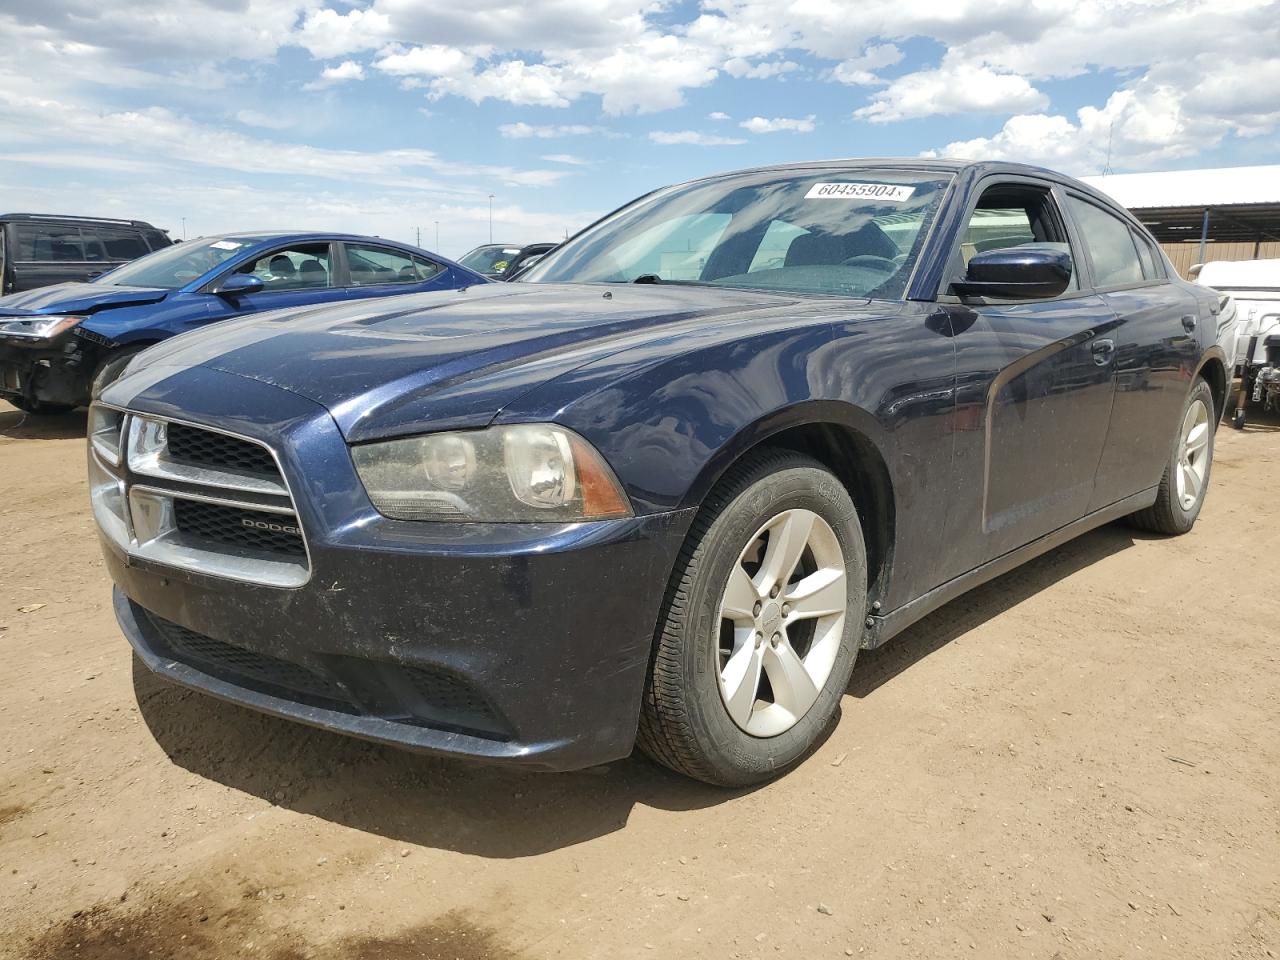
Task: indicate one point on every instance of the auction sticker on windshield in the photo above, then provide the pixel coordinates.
(859, 191)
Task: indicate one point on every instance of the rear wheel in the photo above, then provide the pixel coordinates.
(760, 626)
(1186, 475)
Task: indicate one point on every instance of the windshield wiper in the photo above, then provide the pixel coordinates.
(648, 278)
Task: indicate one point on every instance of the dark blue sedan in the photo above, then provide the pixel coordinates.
(664, 491)
(59, 345)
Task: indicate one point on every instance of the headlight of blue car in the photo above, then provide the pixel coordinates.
(37, 328)
(507, 474)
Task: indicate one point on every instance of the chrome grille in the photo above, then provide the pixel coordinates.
(189, 496)
(217, 450)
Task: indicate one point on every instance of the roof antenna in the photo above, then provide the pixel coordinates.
(1106, 167)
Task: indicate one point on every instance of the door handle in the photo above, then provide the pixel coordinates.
(1103, 351)
(1189, 323)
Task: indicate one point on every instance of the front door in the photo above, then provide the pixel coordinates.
(1034, 389)
(293, 276)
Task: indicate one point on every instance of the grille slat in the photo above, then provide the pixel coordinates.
(218, 451)
(234, 526)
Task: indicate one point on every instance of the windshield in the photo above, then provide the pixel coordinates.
(175, 266)
(490, 260)
(843, 232)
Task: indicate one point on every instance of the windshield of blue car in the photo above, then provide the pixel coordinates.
(829, 231)
(176, 266)
(491, 260)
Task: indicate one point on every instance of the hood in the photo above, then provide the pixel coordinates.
(77, 298)
(453, 358)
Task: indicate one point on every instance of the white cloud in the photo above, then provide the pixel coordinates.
(268, 121)
(327, 33)
(346, 71)
(779, 124)
(860, 70)
(692, 137)
(523, 131)
(746, 70)
(955, 87)
(568, 158)
(433, 60)
(718, 115)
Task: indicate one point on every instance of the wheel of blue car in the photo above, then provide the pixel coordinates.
(109, 370)
(760, 625)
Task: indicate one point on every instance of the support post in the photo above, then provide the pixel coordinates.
(1204, 235)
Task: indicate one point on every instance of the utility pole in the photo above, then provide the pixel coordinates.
(184, 228)
(418, 242)
(491, 218)
(437, 246)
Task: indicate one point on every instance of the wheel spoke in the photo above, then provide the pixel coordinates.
(793, 688)
(820, 594)
(1197, 439)
(741, 681)
(787, 540)
(739, 596)
(1192, 481)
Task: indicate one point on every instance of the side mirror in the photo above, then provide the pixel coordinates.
(238, 285)
(1016, 273)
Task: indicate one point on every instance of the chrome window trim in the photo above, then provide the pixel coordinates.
(179, 554)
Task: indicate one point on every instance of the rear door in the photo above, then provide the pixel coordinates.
(117, 244)
(1034, 386)
(377, 271)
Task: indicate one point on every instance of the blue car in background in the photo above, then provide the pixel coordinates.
(62, 344)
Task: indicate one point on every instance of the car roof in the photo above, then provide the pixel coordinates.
(72, 218)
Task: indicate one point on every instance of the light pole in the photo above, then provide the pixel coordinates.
(184, 228)
(491, 218)
(437, 247)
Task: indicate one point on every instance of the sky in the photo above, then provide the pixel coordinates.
(401, 118)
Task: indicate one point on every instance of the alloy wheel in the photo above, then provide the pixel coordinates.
(781, 622)
(1193, 455)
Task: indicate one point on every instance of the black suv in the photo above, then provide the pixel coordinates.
(39, 249)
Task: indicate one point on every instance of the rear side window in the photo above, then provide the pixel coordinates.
(48, 242)
(371, 266)
(119, 243)
(1152, 263)
(1111, 245)
(156, 239)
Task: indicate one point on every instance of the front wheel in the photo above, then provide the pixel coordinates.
(761, 624)
(40, 408)
(111, 368)
(1186, 475)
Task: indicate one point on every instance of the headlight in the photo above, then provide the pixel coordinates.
(503, 474)
(37, 328)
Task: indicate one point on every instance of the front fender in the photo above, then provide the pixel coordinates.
(149, 323)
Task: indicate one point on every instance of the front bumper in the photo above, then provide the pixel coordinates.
(523, 643)
(58, 373)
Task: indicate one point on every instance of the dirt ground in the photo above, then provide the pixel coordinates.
(1081, 759)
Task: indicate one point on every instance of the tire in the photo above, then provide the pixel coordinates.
(686, 722)
(1178, 500)
(38, 408)
(110, 369)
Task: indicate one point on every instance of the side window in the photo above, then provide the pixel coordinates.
(371, 266)
(1013, 215)
(1152, 262)
(94, 251)
(294, 268)
(121, 243)
(155, 239)
(1111, 245)
(47, 242)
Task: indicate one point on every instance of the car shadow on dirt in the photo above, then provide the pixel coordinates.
(16, 424)
(501, 812)
(879, 666)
